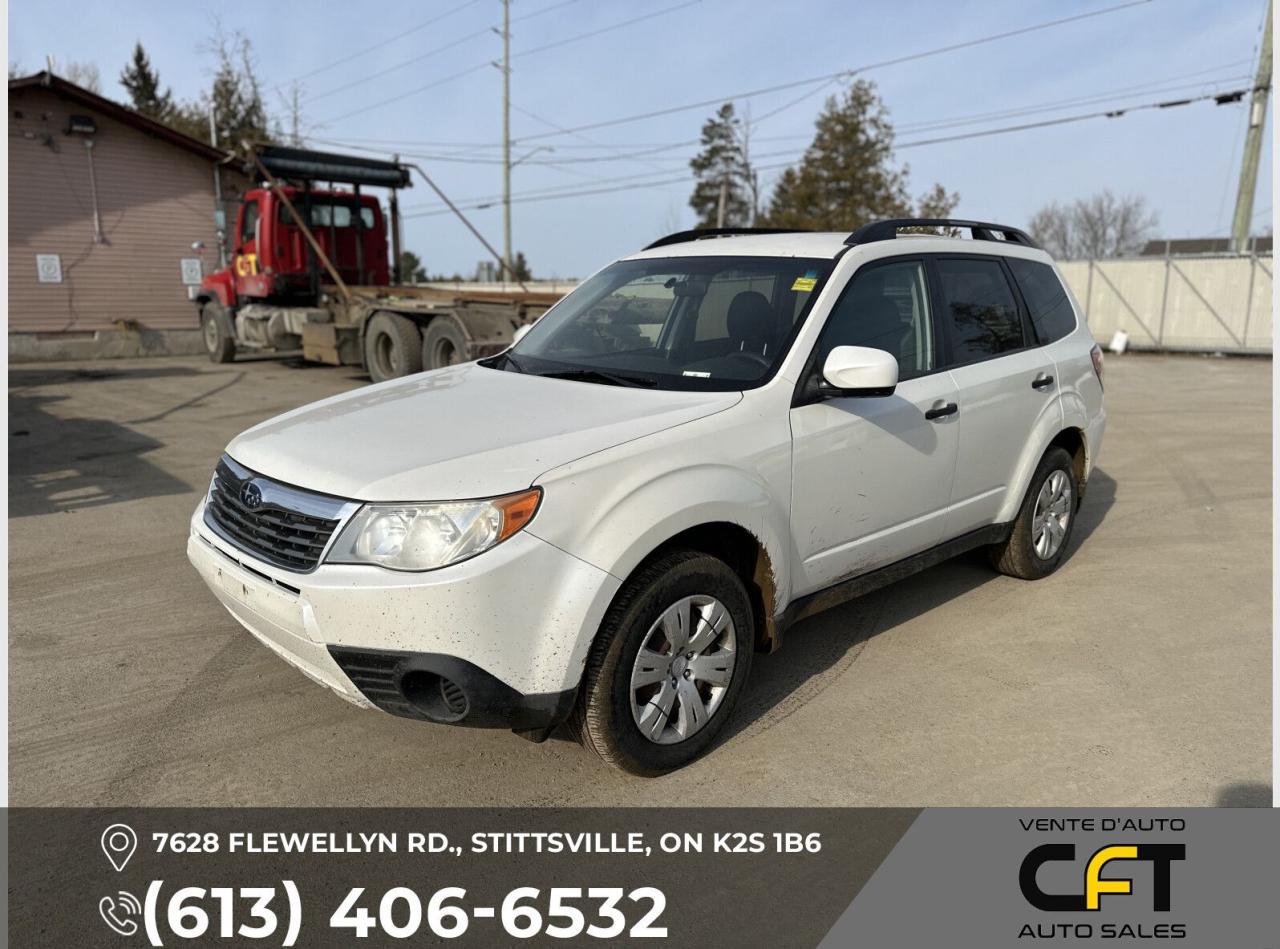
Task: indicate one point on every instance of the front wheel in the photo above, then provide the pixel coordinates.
(667, 666)
(1038, 543)
(215, 331)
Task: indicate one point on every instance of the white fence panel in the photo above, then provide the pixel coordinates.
(1208, 304)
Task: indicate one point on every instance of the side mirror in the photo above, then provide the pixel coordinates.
(860, 371)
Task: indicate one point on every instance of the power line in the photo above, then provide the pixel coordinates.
(653, 153)
(1109, 113)
(399, 36)
(605, 29)
(844, 73)
(453, 44)
(390, 69)
(555, 194)
(395, 143)
(485, 65)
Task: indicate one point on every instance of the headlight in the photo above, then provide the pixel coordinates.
(428, 536)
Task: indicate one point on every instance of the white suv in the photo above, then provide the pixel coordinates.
(701, 444)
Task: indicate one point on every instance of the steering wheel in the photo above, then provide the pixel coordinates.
(752, 357)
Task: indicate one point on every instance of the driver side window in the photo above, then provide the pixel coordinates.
(885, 306)
(249, 223)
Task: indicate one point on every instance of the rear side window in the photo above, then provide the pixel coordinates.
(1047, 301)
(979, 308)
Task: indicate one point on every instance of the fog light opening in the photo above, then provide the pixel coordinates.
(440, 699)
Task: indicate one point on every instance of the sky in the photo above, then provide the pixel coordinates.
(418, 78)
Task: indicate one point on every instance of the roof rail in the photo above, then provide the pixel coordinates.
(699, 233)
(981, 230)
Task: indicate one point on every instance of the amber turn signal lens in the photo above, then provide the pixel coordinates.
(517, 510)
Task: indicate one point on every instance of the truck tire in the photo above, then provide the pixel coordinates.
(1041, 534)
(392, 347)
(443, 344)
(682, 715)
(215, 330)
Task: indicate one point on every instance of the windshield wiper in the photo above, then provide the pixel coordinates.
(513, 362)
(602, 376)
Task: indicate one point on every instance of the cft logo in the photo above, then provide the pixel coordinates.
(1160, 856)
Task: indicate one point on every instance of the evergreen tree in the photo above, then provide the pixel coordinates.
(411, 269)
(143, 85)
(520, 267)
(847, 177)
(722, 168)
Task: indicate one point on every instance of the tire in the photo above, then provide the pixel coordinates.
(443, 344)
(605, 718)
(1027, 554)
(215, 329)
(392, 347)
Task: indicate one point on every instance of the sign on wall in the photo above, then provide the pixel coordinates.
(49, 268)
(192, 273)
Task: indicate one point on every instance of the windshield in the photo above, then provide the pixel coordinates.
(720, 323)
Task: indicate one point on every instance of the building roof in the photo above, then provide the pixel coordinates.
(114, 110)
(1200, 245)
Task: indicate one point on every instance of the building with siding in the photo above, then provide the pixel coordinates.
(111, 220)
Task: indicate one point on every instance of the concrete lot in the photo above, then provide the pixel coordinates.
(1138, 675)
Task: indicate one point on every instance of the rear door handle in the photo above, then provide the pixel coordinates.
(1042, 381)
(941, 410)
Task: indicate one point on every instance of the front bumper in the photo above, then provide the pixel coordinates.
(497, 640)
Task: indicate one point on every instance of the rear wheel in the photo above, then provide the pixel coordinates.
(392, 347)
(443, 344)
(667, 666)
(215, 330)
(1038, 543)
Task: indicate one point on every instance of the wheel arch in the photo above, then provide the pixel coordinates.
(1072, 439)
(746, 556)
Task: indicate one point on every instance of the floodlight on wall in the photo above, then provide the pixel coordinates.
(81, 125)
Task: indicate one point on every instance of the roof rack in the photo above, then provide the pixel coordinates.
(981, 230)
(700, 233)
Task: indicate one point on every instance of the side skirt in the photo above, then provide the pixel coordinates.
(845, 590)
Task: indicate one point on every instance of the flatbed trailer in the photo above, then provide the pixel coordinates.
(453, 326)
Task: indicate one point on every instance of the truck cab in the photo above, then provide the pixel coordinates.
(271, 260)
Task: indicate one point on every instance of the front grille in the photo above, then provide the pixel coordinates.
(285, 529)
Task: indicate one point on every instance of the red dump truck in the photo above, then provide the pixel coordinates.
(309, 269)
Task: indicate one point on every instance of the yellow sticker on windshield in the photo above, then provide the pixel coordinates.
(804, 284)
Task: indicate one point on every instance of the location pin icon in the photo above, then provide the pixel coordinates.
(118, 843)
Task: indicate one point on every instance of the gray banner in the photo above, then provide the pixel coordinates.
(732, 881)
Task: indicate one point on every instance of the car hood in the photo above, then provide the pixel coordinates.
(461, 432)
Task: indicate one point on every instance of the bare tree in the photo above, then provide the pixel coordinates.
(1101, 225)
(1052, 228)
(295, 127)
(84, 75)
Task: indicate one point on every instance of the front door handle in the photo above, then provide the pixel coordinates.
(941, 410)
(1042, 381)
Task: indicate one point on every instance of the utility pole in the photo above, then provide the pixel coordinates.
(724, 199)
(219, 211)
(753, 184)
(506, 140)
(1240, 226)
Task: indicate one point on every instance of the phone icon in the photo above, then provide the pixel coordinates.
(115, 912)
